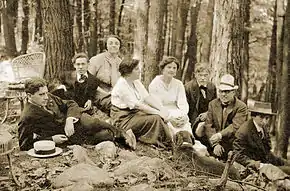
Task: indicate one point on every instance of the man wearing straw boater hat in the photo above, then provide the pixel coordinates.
(225, 115)
(252, 143)
(48, 117)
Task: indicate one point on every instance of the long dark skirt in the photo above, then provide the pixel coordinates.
(146, 127)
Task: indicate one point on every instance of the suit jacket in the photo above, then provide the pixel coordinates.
(193, 96)
(248, 146)
(236, 114)
(36, 120)
(69, 80)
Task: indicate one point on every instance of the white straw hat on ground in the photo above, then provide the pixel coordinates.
(44, 149)
(227, 82)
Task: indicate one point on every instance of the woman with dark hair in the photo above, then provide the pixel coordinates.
(105, 65)
(171, 94)
(133, 109)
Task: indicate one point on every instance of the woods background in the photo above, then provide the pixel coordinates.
(247, 38)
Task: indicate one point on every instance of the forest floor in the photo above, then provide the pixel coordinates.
(148, 168)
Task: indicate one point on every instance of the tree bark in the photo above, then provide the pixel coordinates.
(38, 21)
(153, 56)
(141, 33)
(229, 49)
(79, 33)
(206, 35)
(58, 37)
(190, 55)
(93, 46)
(283, 114)
(174, 21)
(86, 24)
(9, 19)
(181, 26)
(25, 32)
(120, 17)
(112, 16)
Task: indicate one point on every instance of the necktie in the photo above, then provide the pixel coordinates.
(203, 90)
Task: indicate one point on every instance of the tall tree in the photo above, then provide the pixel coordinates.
(38, 21)
(190, 55)
(112, 16)
(79, 32)
(141, 32)
(284, 101)
(229, 48)
(86, 23)
(25, 32)
(93, 46)
(58, 37)
(9, 15)
(153, 56)
(120, 17)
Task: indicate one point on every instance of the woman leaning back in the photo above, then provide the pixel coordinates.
(134, 110)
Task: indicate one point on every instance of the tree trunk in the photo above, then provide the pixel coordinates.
(58, 37)
(181, 26)
(141, 33)
(38, 21)
(174, 21)
(120, 17)
(153, 56)
(112, 16)
(25, 34)
(9, 19)
(284, 109)
(206, 35)
(229, 49)
(86, 24)
(272, 65)
(93, 46)
(190, 55)
(79, 33)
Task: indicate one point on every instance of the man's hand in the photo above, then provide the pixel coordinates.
(202, 116)
(69, 127)
(216, 138)
(59, 139)
(255, 165)
(130, 138)
(88, 105)
(218, 150)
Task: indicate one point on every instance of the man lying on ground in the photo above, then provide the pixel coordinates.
(46, 116)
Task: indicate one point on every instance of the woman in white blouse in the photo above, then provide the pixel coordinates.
(133, 109)
(171, 93)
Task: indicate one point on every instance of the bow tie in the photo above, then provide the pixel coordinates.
(83, 77)
(203, 87)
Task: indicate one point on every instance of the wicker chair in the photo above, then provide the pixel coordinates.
(28, 65)
(24, 67)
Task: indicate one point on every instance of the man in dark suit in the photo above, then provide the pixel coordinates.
(252, 144)
(225, 115)
(46, 116)
(199, 92)
(81, 86)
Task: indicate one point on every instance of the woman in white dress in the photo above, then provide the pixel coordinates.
(171, 93)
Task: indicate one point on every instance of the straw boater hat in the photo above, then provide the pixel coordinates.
(261, 107)
(44, 149)
(227, 82)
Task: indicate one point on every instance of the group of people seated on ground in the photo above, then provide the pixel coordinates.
(168, 114)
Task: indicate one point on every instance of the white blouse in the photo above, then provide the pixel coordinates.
(172, 96)
(126, 96)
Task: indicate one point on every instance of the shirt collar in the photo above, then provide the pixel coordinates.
(259, 128)
(79, 76)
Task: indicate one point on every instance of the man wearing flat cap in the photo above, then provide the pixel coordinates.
(225, 115)
(252, 144)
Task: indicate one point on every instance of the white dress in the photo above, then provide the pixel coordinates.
(173, 98)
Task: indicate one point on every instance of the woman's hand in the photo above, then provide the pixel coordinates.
(88, 105)
(59, 139)
(69, 127)
(130, 139)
